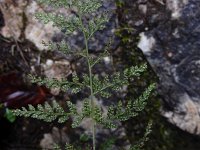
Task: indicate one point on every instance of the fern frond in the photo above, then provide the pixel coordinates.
(61, 46)
(46, 113)
(135, 70)
(117, 80)
(122, 113)
(56, 3)
(72, 108)
(99, 85)
(56, 147)
(85, 112)
(68, 25)
(140, 103)
(77, 120)
(69, 147)
(95, 24)
(87, 108)
(98, 117)
(145, 138)
(86, 6)
(63, 84)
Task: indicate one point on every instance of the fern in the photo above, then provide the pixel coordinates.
(79, 21)
(145, 138)
(46, 113)
(67, 147)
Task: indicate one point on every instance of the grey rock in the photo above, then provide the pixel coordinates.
(34, 30)
(172, 48)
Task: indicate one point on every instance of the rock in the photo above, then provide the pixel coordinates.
(20, 22)
(13, 18)
(172, 49)
(55, 137)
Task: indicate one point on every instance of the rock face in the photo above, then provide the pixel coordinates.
(172, 48)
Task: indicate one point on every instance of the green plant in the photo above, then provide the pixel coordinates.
(8, 114)
(122, 111)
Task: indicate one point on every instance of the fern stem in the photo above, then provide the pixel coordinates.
(91, 96)
(92, 103)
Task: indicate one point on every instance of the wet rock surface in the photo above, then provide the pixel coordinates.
(172, 48)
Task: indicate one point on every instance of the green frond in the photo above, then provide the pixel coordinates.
(86, 79)
(111, 112)
(69, 25)
(95, 24)
(56, 147)
(87, 108)
(69, 147)
(140, 103)
(145, 138)
(98, 86)
(75, 78)
(98, 117)
(78, 117)
(116, 81)
(77, 121)
(105, 94)
(124, 112)
(75, 22)
(56, 3)
(63, 84)
(86, 6)
(46, 113)
(85, 112)
(76, 86)
(135, 70)
(61, 46)
(50, 83)
(72, 108)
(82, 53)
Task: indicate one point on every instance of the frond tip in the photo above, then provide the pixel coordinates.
(145, 138)
(132, 108)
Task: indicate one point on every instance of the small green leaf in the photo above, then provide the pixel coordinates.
(10, 116)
